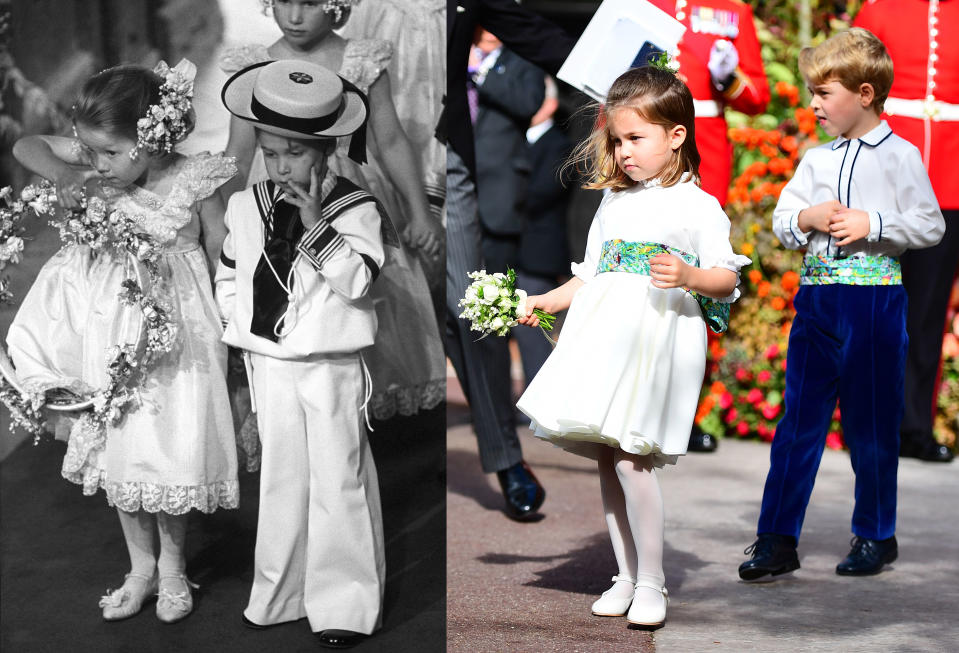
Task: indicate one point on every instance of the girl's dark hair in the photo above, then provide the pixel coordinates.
(658, 97)
(116, 98)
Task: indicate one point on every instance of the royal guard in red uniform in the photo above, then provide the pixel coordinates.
(720, 62)
(922, 37)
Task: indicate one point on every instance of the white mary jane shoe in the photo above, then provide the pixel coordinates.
(610, 606)
(648, 608)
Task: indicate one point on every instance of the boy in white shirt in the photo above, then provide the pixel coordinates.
(298, 261)
(855, 205)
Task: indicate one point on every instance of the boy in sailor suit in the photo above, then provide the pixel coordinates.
(301, 253)
(855, 205)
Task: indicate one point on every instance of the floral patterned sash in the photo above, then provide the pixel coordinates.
(853, 271)
(625, 256)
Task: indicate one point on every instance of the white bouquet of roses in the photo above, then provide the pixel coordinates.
(493, 303)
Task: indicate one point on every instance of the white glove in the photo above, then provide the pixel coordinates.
(723, 59)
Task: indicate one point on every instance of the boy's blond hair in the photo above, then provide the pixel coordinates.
(852, 58)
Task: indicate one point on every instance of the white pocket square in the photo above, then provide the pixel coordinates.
(460, 9)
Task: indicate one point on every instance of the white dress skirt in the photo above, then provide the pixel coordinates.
(629, 364)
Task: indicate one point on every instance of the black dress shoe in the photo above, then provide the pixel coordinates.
(924, 447)
(772, 554)
(868, 557)
(340, 638)
(250, 624)
(701, 441)
(523, 493)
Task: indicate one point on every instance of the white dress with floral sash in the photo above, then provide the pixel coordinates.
(629, 364)
(175, 451)
(406, 362)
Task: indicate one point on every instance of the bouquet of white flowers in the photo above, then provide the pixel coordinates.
(493, 303)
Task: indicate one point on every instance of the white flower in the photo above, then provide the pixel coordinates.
(521, 304)
(490, 292)
(497, 323)
(5, 192)
(28, 194)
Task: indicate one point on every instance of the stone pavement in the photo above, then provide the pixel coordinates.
(528, 587)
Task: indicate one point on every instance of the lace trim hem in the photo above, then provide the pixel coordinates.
(407, 401)
(131, 496)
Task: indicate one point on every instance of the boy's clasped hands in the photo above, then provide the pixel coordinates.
(842, 223)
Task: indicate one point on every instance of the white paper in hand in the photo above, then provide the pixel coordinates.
(621, 35)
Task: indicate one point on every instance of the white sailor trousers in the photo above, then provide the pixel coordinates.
(319, 539)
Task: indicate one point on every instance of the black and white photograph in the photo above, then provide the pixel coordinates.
(223, 373)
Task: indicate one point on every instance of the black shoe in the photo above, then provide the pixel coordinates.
(924, 447)
(771, 554)
(868, 556)
(250, 624)
(523, 493)
(701, 441)
(340, 638)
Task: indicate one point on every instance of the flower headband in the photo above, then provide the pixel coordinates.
(334, 7)
(166, 123)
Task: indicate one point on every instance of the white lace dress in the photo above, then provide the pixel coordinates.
(629, 364)
(176, 450)
(407, 361)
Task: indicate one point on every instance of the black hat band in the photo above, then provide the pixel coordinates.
(304, 125)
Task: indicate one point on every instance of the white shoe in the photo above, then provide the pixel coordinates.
(611, 606)
(649, 605)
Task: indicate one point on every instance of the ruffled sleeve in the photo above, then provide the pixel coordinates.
(364, 60)
(235, 59)
(711, 242)
(200, 176)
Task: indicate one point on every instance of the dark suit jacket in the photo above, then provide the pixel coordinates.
(544, 249)
(529, 35)
(511, 93)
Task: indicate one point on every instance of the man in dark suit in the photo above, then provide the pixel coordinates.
(509, 91)
(483, 367)
(544, 256)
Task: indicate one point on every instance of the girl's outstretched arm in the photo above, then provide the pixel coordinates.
(212, 211)
(669, 271)
(403, 168)
(554, 301)
(242, 145)
(56, 158)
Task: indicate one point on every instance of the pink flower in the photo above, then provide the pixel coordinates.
(725, 400)
(770, 411)
(764, 376)
(766, 434)
(731, 416)
(755, 396)
(772, 351)
(742, 374)
(742, 429)
(834, 440)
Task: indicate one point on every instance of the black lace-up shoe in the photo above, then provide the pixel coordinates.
(772, 554)
(523, 493)
(868, 557)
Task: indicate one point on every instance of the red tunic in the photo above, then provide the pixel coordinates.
(706, 21)
(922, 38)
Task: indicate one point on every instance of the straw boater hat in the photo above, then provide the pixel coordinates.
(298, 99)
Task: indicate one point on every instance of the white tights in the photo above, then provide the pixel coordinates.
(634, 516)
(140, 530)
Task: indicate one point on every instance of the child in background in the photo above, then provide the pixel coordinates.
(175, 451)
(301, 254)
(855, 205)
(623, 383)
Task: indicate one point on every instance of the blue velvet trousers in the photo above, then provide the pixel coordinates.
(847, 342)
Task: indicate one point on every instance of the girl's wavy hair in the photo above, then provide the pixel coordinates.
(658, 97)
(116, 98)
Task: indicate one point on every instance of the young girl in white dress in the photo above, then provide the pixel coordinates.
(406, 362)
(174, 450)
(623, 382)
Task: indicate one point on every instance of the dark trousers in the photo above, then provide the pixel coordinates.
(927, 276)
(847, 342)
(482, 366)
